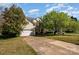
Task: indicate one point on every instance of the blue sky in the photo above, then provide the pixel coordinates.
(39, 9)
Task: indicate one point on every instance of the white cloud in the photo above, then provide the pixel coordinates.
(70, 8)
(2, 5)
(60, 4)
(5, 4)
(72, 11)
(65, 11)
(52, 8)
(57, 6)
(33, 11)
(47, 5)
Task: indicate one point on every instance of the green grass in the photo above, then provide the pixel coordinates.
(71, 38)
(15, 46)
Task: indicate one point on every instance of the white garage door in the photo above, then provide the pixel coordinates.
(26, 33)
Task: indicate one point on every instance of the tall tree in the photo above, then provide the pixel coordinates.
(73, 26)
(55, 21)
(14, 21)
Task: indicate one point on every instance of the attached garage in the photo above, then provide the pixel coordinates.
(28, 30)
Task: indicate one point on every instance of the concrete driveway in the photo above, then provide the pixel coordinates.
(44, 46)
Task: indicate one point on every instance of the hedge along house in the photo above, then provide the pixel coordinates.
(29, 29)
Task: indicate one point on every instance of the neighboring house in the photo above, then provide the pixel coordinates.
(28, 30)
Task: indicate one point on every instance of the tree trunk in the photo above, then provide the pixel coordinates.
(55, 32)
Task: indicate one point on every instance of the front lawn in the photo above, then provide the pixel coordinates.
(71, 38)
(15, 46)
